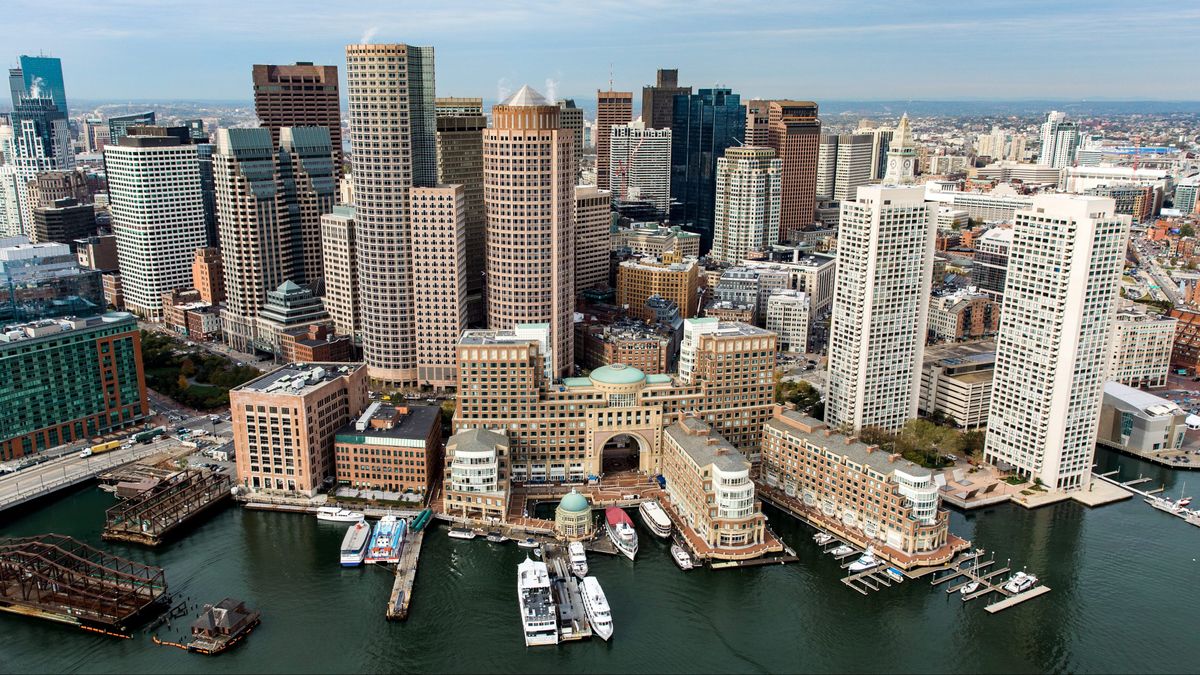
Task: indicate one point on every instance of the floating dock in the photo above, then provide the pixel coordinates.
(406, 577)
(59, 578)
(573, 623)
(987, 580)
(150, 515)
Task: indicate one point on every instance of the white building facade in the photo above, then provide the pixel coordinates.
(746, 217)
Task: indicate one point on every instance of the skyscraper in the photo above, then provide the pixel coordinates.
(571, 117)
(593, 237)
(439, 237)
(758, 122)
(1064, 272)
(705, 124)
(853, 165)
(395, 149)
(1060, 141)
(794, 131)
(39, 77)
(118, 125)
(612, 107)
(881, 139)
(40, 142)
(460, 162)
(826, 165)
(341, 271)
(157, 216)
(300, 95)
(640, 163)
(529, 191)
(746, 216)
(880, 303)
(658, 100)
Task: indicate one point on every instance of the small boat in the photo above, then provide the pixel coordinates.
(354, 545)
(621, 532)
(822, 538)
(842, 550)
(539, 614)
(596, 606)
(332, 514)
(387, 541)
(528, 542)
(578, 559)
(1020, 582)
(681, 557)
(655, 519)
(895, 574)
(496, 537)
(866, 562)
(461, 533)
(970, 588)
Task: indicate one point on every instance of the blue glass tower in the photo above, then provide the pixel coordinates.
(42, 77)
(705, 124)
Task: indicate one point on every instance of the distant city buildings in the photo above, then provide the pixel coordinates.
(640, 165)
(794, 132)
(1060, 141)
(658, 100)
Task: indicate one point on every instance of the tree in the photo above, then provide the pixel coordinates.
(972, 444)
(182, 382)
(1187, 230)
(188, 367)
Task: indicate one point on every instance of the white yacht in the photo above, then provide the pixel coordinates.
(461, 533)
(655, 519)
(332, 514)
(970, 588)
(1020, 582)
(842, 550)
(621, 532)
(539, 616)
(596, 606)
(578, 558)
(681, 557)
(822, 538)
(866, 562)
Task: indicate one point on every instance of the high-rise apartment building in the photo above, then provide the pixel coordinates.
(671, 278)
(299, 95)
(705, 124)
(157, 214)
(880, 306)
(1141, 348)
(1060, 141)
(612, 108)
(529, 192)
(1052, 351)
(395, 149)
(827, 148)
(794, 132)
(341, 271)
(990, 270)
(640, 166)
(881, 141)
(593, 237)
(746, 214)
(460, 162)
(571, 119)
(788, 317)
(439, 236)
(658, 100)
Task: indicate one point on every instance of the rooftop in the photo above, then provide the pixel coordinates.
(476, 440)
(618, 373)
(385, 421)
(297, 379)
(706, 447)
(1147, 403)
(526, 96)
(33, 330)
(852, 449)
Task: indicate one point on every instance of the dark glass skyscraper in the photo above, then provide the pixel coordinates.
(40, 77)
(118, 125)
(704, 125)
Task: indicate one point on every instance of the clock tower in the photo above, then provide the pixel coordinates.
(902, 156)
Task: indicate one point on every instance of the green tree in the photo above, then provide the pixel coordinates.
(1187, 230)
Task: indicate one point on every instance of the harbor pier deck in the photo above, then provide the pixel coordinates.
(150, 515)
(968, 569)
(573, 622)
(406, 577)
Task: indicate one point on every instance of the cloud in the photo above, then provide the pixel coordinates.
(368, 35)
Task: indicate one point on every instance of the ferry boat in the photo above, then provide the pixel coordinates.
(842, 550)
(354, 544)
(332, 514)
(822, 538)
(655, 519)
(578, 558)
(866, 562)
(461, 533)
(596, 606)
(539, 616)
(681, 557)
(1020, 582)
(621, 532)
(387, 540)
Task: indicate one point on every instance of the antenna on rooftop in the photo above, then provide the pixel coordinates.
(610, 76)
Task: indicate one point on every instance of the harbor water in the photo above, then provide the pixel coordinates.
(1125, 580)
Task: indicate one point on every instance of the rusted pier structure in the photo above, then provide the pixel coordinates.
(149, 516)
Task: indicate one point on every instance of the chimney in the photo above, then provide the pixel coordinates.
(871, 448)
(850, 440)
(828, 432)
(893, 457)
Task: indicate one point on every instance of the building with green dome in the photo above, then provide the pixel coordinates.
(573, 517)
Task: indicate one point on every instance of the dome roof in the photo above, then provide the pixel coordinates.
(574, 502)
(618, 373)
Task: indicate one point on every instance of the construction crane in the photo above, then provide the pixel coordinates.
(622, 171)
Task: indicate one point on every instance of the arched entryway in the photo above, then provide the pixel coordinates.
(620, 453)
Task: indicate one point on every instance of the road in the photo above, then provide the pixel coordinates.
(1160, 277)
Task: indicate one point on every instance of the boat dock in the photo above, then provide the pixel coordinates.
(406, 577)
(149, 516)
(573, 623)
(1128, 485)
(989, 580)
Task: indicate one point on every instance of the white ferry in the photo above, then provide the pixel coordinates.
(621, 532)
(539, 616)
(655, 519)
(354, 544)
(596, 606)
(332, 514)
(461, 533)
(578, 558)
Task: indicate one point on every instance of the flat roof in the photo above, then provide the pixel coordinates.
(707, 449)
(414, 425)
(298, 378)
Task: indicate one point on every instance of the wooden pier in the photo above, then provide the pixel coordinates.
(406, 577)
(149, 516)
(990, 581)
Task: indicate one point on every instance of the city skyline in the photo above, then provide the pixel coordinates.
(206, 54)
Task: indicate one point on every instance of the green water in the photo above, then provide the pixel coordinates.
(1126, 597)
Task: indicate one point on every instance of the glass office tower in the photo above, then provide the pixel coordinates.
(704, 125)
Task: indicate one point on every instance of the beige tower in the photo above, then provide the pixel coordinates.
(394, 135)
(439, 231)
(593, 238)
(612, 107)
(529, 194)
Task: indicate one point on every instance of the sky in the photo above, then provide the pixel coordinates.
(850, 50)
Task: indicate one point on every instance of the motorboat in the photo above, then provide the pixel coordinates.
(866, 562)
(655, 519)
(333, 514)
(596, 606)
(578, 559)
(354, 544)
(621, 532)
(822, 538)
(539, 615)
(1020, 582)
(895, 574)
(461, 533)
(842, 550)
(496, 537)
(681, 557)
(528, 542)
